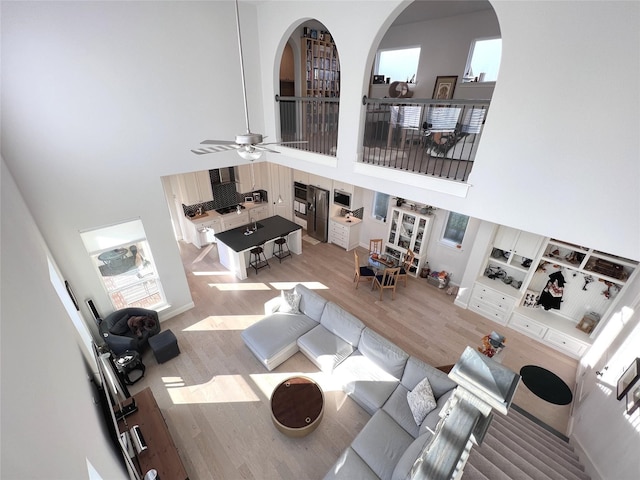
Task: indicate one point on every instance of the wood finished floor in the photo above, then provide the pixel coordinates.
(215, 395)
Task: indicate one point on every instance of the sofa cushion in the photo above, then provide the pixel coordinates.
(274, 338)
(397, 408)
(366, 383)
(290, 302)
(311, 304)
(381, 444)
(391, 358)
(409, 457)
(431, 420)
(416, 370)
(323, 348)
(341, 323)
(421, 401)
(350, 466)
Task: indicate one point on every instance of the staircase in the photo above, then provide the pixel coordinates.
(515, 447)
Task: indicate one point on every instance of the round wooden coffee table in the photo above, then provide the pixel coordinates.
(297, 405)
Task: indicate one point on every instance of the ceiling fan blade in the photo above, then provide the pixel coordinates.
(261, 147)
(215, 149)
(217, 142)
(285, 143)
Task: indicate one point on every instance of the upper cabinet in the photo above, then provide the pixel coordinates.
(518, 242)
(195, 187)
(301, 177)
(244, 178)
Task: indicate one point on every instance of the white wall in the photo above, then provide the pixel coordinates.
(50, 426)
(545, 135)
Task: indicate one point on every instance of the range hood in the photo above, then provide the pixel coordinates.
(224, 175)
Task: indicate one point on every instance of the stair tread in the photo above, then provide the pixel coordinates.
(550, 446)
(516, 417)
(513, 468)
(551, 467)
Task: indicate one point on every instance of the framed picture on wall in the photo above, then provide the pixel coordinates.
(628, 379)
(444, 87)
(633, 399)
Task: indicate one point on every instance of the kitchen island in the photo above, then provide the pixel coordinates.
(234, 245)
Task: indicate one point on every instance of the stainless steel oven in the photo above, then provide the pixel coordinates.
(300, 200)
(300, 191)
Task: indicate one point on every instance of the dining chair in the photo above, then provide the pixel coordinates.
(362, 274)
(375, 246)
(405, 268)
(387, 281)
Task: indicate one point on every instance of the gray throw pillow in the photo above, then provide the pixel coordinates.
(421, 401)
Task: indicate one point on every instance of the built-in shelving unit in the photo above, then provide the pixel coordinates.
(408, 230)
(517, 269)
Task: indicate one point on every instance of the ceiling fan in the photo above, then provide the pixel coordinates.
(249, 145)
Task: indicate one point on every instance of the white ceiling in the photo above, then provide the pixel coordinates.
(422, 10)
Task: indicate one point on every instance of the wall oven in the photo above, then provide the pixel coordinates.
(300, 200)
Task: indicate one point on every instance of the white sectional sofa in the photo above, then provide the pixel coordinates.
(374, 372)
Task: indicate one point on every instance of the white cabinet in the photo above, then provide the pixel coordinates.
(408, 231)
(195, 187)
(301, 177)
(518, 242)
(345, 187)
(527, 326)
(259, 213)
(491, 303)
(281, 187)
(322, 182)
(345, 235)
(566, 343)
(233, 220)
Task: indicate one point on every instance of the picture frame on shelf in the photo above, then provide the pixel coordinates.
(628, 379)
(633, 399)
(444, 87)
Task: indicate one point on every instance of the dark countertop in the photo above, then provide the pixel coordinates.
(272, 227)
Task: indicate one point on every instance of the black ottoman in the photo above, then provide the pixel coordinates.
(164, 346)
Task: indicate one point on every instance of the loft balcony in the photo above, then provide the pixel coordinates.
(438, 138)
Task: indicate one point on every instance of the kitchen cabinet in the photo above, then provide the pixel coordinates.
(345, 187)
(195, 187)
(322, 182)
(281, 187)
(408, 230)
(202, 232)
(343, 233)
(233, 220)
(259, 212)
(244, 178)
(301, 177)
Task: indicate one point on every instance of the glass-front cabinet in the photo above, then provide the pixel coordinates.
(408, 230)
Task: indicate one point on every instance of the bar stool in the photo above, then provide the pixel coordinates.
(254, 259)
(282, 250)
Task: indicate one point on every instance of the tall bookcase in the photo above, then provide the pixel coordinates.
(321, 68)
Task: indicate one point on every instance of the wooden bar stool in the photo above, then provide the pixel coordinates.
(281, 248)
(254, 259)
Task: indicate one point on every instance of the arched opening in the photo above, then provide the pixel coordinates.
(430, 90)
(309, 98)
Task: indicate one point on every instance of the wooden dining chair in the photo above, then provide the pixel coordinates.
(387, 281)
(405, 268)
(362, 274)
(375, 246)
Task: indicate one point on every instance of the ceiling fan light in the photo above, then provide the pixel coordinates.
(249, 153)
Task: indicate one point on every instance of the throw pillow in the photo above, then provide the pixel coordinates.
(290, 302)
(421, 400)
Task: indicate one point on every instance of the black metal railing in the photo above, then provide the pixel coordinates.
(434, 137)
(313, 120)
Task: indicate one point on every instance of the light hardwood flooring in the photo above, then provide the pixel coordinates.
(215, 394)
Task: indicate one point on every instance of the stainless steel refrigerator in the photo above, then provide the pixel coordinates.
(317, 213)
